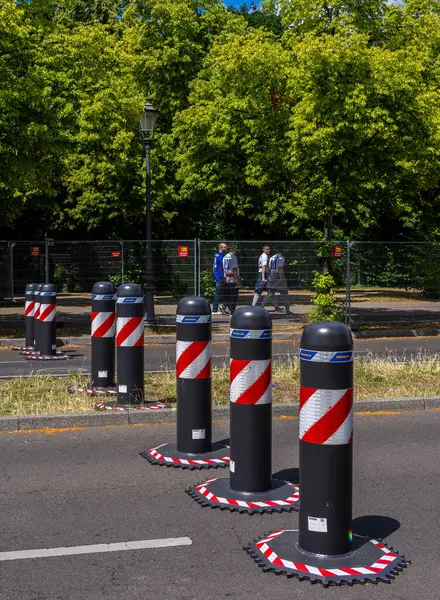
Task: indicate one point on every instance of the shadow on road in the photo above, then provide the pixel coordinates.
(375, 526)
(291, 475)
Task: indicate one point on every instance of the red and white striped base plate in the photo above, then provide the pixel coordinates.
(106, 407)
(369, 560)
(260, 503)
(23, 348)
(45, 357)
(219, 457)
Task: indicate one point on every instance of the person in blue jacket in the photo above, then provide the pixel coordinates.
(219, 277)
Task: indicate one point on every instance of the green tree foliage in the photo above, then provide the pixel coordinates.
(292, 118)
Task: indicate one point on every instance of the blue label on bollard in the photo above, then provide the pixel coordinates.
(252, 334)
(193, 319)
(46, 293)
(327, 357)
(103, 296)
(130, 300)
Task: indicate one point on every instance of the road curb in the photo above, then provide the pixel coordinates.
(392, 333)
(166, 415)
(84, 340)
(170, 339)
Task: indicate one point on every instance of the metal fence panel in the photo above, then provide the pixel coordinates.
(394, 282)
(302, 262)
(382, 282)
(76, 266)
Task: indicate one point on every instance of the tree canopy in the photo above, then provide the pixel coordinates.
(293, 117)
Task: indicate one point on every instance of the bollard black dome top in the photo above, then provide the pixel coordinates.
(193, 305)
(48, 287)
(129, 290)
(326, 336)
(103, 287)
(251, 317)
(31, 287)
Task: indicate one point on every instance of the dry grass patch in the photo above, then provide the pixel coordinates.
(374, 378)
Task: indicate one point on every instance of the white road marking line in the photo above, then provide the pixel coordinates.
(95, 548)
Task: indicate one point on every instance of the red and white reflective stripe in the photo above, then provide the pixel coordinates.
(193, 360)
(48, 313)
(37, 311)
(129, 331)
(103, 324)
(29, 308)
(325, 416)
(251, 381)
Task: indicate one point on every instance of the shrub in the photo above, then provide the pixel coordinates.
(325, 305)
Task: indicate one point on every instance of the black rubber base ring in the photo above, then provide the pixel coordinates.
(216, 493)
(167, 455)
(369, 561)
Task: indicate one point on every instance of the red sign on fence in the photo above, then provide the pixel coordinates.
(34, 251)
(116, 254)
(183, 251)
(337, 251)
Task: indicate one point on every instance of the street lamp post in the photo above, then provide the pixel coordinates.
(148, 123)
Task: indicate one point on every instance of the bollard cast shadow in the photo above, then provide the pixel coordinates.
(375, 526)
(291, 475)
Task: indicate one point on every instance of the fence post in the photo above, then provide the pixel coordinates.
(347, 286)
(195, 266)
(198, 268)
(47, 242)
(11, 269)
(122, 260)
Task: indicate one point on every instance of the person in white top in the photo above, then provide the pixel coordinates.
(263, 274)
(277, 282)
(232, 279)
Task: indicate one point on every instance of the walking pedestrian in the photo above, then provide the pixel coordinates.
(219, 277)
(277, 283)
(232, 279)
(263, 273)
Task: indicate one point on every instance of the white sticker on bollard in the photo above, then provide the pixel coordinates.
(232, 466)
(122, 389)
(198, 434)
(102, 373)
(317, 524)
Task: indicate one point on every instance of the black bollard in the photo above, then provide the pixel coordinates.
(47, 320)
(250, 487)
(193, 373)
(35, 351)
(37, 319)
(324, 549)
(130, 344)
(103, 336)
(194, 448)
(29, 311)
(325, 439)
(29, 316)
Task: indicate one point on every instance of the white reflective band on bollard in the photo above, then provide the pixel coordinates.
(193, 359)
(192, 319)
(103, 324)
(326, 357)
(129, 331)
(326, 416)
(251, 381)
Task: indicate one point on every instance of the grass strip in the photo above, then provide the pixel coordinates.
(374, 378)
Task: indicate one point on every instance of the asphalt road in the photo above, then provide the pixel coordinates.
(160, 357)
(92, 487)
